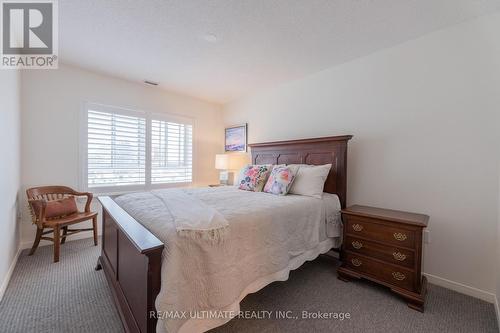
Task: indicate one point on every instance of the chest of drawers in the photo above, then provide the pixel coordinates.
(385, 246)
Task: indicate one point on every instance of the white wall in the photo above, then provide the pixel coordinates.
(498, 225)
(421, 115)
(497, 305)
(52, 100)
(10, 166)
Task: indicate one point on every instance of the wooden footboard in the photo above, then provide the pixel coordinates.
(131, 259)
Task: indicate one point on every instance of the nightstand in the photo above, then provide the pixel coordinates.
(385, 246)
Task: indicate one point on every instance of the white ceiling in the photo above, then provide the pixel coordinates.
(259, 42)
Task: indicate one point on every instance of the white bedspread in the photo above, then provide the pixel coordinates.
(269, 236)
(192, 217)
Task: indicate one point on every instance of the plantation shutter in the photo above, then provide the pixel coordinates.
(116, 149)
(171, 152)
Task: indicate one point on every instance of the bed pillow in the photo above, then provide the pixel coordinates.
(280, 180)
(253, 177)
(310, 180)
(240, 175)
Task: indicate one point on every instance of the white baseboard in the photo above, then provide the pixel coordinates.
(497, 310)
(462, 288)
(6, 280)
(80, 235)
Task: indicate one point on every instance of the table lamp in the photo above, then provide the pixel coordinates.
(222, 163)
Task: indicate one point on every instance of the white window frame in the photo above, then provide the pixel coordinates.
(149, 116)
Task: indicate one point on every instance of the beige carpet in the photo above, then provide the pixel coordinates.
(71, 297)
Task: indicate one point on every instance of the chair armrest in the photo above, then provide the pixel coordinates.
(89, 199)
(42, 204)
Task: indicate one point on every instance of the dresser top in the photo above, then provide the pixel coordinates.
(387, 215)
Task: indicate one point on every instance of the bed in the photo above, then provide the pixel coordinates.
(269, 236)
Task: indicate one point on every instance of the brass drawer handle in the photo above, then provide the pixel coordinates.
(399, 256)
(357, 245)
(400, 236)
(356, 262)
(398, 276)
(357, 227)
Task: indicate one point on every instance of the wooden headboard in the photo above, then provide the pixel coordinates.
(315, 151)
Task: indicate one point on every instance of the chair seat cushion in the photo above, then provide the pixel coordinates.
(70, 219)
(58, 208)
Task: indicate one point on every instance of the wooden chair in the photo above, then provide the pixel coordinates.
(38, 197)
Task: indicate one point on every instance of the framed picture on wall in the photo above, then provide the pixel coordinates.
(236, 138)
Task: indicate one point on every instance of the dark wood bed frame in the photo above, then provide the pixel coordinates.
(131, 255)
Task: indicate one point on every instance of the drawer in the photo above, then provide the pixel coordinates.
(380, 232)
(387, 253)
(396, 276)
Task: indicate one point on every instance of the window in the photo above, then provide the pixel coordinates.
(171, 152)
(129, 150)
(116, 153)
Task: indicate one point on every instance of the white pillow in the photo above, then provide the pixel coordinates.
(310, 180)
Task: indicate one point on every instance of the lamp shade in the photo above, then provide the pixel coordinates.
(221, 162)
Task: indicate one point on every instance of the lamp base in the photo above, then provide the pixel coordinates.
(224, 177)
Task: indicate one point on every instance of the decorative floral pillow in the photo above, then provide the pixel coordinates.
(280, 180)
(253, 177)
